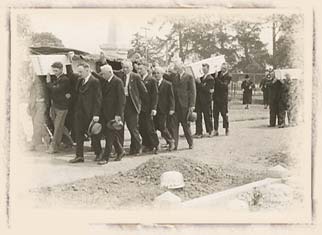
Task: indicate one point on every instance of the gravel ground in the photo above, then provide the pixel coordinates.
(141, 185)
(213, 165)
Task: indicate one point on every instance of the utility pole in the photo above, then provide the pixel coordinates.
(146, 41)
(274, 43)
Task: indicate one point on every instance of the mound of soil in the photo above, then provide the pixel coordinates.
(139, 186)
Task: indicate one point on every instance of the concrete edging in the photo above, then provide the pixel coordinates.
(219, 198)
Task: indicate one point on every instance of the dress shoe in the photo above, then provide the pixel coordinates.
(146, 149)
(171, 146)
(215, 133)
(120, 156)
(281, 126)
(155, 150)
(191, 146)
(207, 135)
(102, 162)
(227, 131)
(197, 136)
(77, 160)
(98, 157)
(51, 151)
(135, 153)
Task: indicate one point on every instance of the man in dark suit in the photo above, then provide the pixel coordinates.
(185, 98)
(166, 106)
(170, 76)
(87, 105)
(220, 98)
(205, 89)
(275, 89)
(113, 102)
(136, 94)
(150, 140)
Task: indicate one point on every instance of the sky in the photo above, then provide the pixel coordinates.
(87, 29)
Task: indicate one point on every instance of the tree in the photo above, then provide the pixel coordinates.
(285, 48)
(45, 39)
(253, 52)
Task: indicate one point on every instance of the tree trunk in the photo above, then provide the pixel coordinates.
(274, 44)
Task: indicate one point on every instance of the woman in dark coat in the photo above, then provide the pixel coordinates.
(248, 86)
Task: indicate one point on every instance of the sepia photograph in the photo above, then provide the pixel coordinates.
(164, 115)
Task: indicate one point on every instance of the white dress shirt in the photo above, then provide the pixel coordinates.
(108, 80)
(181, 74)
(145, 76)
(159, 82)
(127, 84)
(86, 79)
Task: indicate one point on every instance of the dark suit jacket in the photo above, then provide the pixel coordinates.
(137, 90)
(184, 91)
(88, 97)
(204, 96)
(113, 97)
(166, 98)
(220, 95)
(152, 100)
(275, 92)
(58, 88)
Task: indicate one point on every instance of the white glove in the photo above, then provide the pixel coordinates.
(48, 78)
(68, 96)
(191, 109)
(117, 118)
(171, 112)
(153, 112)
(96, 118)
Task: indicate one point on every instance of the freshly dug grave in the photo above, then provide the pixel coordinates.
(139, 186)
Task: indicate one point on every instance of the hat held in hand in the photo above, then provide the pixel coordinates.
(114, 125)
(94, 128)
(192, 116)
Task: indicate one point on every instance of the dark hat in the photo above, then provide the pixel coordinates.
(246, 76)
(94, 128)
(192, 116)
(114, 125)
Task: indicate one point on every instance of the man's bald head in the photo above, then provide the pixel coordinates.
(106, 71)
(158, 72)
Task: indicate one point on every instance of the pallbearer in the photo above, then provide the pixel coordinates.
(205, 89)
(87, 105)
(220, 98)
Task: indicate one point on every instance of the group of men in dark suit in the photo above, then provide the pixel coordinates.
(147, 101)
(212, 89)
(282, 101)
